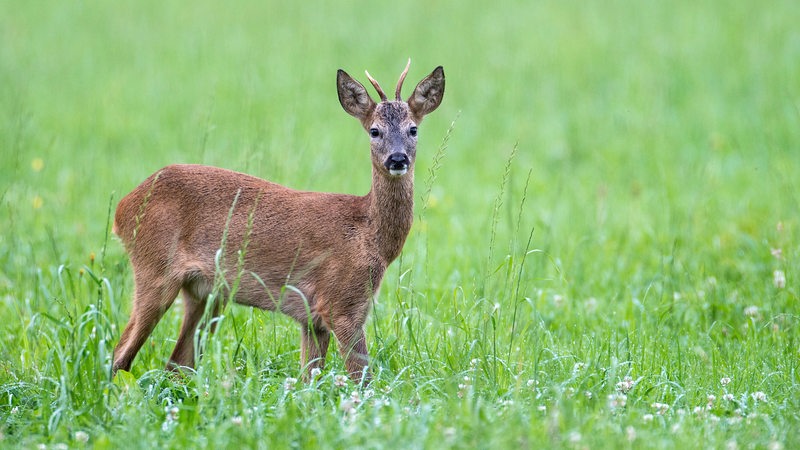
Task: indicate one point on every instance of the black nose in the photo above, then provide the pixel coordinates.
(397, 162)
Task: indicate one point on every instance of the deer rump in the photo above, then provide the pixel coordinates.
(273, 237)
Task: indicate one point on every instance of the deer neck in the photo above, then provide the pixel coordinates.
(391, 211)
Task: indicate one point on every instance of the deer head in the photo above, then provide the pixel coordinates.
(391, 124)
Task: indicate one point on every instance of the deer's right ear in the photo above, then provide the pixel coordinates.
(353, 96)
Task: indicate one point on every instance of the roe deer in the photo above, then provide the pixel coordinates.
(187, 224)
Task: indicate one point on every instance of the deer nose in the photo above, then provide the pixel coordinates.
(397, 163)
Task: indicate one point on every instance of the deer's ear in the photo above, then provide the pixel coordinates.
(353, 96)
(428, 94)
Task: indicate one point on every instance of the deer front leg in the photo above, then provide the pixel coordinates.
(313, 348)
(353, 347)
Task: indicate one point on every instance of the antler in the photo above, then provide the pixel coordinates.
(397, 89)
(377, 86)
(400, 81)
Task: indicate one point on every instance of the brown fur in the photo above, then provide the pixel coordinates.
(332, 249)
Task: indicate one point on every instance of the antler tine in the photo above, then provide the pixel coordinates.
(400, 81)
(377, 86)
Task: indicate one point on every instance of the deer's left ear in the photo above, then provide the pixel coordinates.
(427, 96)
(354, 97)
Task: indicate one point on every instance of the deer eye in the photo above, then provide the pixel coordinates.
(413, 131)
(374, 132)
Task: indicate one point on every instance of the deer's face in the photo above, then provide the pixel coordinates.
(391, 124)
(393, 138)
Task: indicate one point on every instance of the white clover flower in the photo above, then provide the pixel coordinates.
(588, 394)
(647, 418)
(315, 372)
(172, 412)
(661, 408)
(355, 397)
(617, 400)
(752, 312)
(728, 397)
(82, 436)
(625, 385)
(236, 420)
(347, 406)
(775, 445)
(724, 381)
(759, 396)
(289, 384)
(340, 381)
(779, 279)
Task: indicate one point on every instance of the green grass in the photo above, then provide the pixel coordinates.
(599, 239)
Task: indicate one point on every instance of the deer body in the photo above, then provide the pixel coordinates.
(330, 249)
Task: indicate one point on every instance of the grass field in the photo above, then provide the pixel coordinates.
(606, 249)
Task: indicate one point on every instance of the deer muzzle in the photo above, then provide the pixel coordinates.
(397, 164)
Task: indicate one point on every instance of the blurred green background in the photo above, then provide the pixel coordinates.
(651, 148)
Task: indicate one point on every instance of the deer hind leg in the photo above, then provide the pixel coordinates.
(150, 303)
(194, 309)
(313, 347)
